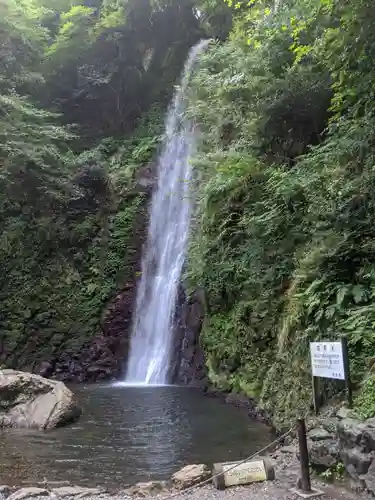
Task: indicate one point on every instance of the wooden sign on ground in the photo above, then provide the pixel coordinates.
(244, 473)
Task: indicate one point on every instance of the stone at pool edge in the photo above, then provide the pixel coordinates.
(190, 475)
(26, 493)
(31, 401)
(72, 491)
(145, 489)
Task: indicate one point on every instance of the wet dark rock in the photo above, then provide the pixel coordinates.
(324, 453)
(356, 462)
(339, 438)
(357, 451)
(349, 432)
(146, 489)
(319, 434)
(189, 366)
(46, 369)
(5, 492)
(369, 478)
(103, 357)
(353, 433)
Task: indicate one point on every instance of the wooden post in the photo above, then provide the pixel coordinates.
(348, 385)
(303, 456)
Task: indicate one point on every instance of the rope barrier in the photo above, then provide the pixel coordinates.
(206, 481)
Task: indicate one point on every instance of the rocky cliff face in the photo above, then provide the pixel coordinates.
(189, 363)
(339, 438)
(104, 356)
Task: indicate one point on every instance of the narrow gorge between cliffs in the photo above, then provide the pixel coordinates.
(164, 255)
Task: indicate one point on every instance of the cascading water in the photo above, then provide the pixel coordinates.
(164, 256)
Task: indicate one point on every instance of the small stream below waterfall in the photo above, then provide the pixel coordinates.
(126, 435)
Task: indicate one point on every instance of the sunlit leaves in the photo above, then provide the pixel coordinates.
(76, 28)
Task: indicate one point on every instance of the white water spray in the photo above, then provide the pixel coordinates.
(152, 336)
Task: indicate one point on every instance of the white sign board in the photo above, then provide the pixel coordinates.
(327, 360)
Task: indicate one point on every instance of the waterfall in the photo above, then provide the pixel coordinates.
(163, 259)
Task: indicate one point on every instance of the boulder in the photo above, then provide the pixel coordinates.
(369, 478)
(145, 489)
(26, 493)
(354, 433)
(356, 462)
(72, 491)
(319, 434)
(324, 453)
(31, 401)
(190, 476)
(357, 451)
(189, 366)
(344, 413)
(290, 449)
(349, 432)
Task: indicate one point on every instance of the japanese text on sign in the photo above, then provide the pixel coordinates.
(327, 360)
(247, 472)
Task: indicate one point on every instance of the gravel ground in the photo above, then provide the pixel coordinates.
(264, 491)
(286, 470)
(275, 490)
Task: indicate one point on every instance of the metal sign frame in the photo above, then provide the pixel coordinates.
(348, 387)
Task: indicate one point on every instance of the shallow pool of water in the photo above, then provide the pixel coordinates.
(130, 434)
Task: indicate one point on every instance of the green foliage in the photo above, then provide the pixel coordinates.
(334, 473)
(108, 65)
(22, 43)
(364, 403)
(61, 267)
(284, 238)
(76, 29)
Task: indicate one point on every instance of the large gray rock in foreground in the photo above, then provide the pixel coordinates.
(357, 450)
(323, 453)
(27, 493)
(31, 401)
